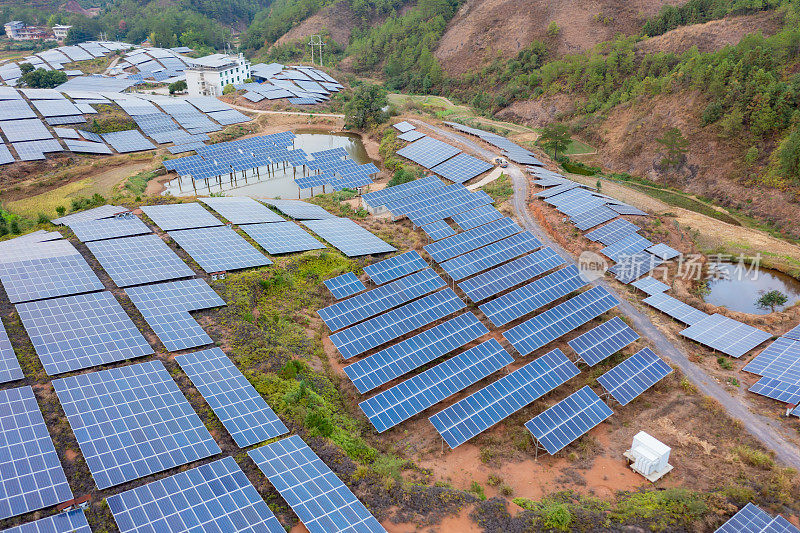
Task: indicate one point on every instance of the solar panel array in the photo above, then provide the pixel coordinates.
(128, 141)
(428, 152)
(650, 285)
(414, 352)
(212, 497)
(137, 260)
(428, 388)
(606, 339)
(780, 360)
(416, 187)
(238, 405)
(675, 308)
(81, 331)
(470, 240)
(299, 210)
(727, 335)
(395, 267)
(241, 210)
(348, 237)
(32, 475)
(69, 522)
(344, 285)
(404, 126)
(777, 390)
(9, 365)
(281, 237)
(663, 251)
(219, 248)
(132, 421)
(488, 406)
(171, 217)
(411, 136)
(438, 230)
(476, 217)
(166, 306)
(555, 322)
(627, 246)
(461, 168)
(567, 420)
(109, 228)
(490, 255)
(632, 267)
(319, 499)
(613, 232)
(635, 375)
(749, 519)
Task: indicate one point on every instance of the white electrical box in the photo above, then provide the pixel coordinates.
(649, 456)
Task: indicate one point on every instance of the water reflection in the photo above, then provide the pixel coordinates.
(738, 287)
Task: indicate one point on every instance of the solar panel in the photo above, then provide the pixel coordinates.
(5, 155)
(727, 335)
(31, 129)
(606, 339)
(491, 255)
(481, 410)
(281, 237)
(568, 419)
(438, 230)
(626, 247)
(793, 333)
(348, 237)
(427, 197)
(345, 285)
(625, 209)
(650, 285)
(476, 217)
(109, 228)
(424, 390)
(127, 141)
(35, 150)
(663, 251)
(348, 312)
(86, 147)
(780, 525)
(428, 152)
(635, 375)
(749, 519)
(414, 352)
(321, 501)
(166, 307)
(404, 126)
(81, 331)
(632, 267)
(593, 217)
(396, 323)
(404, 190)
(219, 248)
(513, 273)
(778, 390)
(462, 168)
(299, 210)
(9, 365)
(137, 260)
(170, 217)
(238, 405)
(113, 415)
(555, 322)
(395, 267)
(613, 232)
(440, 209)
(68, 522)
(411, 136)
(470, 240)
(96, 213)
(48, 277)
(780, 360)
(532, 296)
(675, 308)
(241, 210)
(32, 475)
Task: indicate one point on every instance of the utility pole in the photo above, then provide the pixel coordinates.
(316, 40)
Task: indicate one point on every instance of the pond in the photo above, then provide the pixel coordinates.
(280, 184)
(739, 287)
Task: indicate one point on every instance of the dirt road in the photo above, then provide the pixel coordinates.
(769, 432)
(270, 112)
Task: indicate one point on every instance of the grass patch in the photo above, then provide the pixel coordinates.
(754, 457)
(500, 189)
(661, 510)
(335, 203)
(679, 200)
(137, 184)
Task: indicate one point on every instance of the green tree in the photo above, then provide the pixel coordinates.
(789, 155)
(365, 108)
(44, 79)
(771, 299)
(82, 29)
(555, 137)
(25, 68)
(177, 86)
(675, 146)
(228, 89)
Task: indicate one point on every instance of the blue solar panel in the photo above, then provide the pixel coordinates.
(598, 343)
(241, 210)
(491, 255)
(532, 296)
(395, 267)
(462, 168)
(675, 308)
(663, 251)
(238, 405)
(440, 210)
(110, 413)
(635, 375)
(476, 217)
(35, 278)
(593, 217)
(138, 260)
(180, 216)
(68, 522)
(427, 197)
(348, 312)
(626, 246)
(345, 285)
(9, 365)
(510, 274)
(347, 236)
(632, 267)
(553, 323)
(650, 285)
(32, 475)
(488, 406)
(281, 237)
(322, 502)
(109, 228)
(749, 519)
(725, 334)
(428, 152)
(424, 390)
(414, 352)
(780, 525)
(218, 249)
(779, 360)
(778, 390)
(568, 419)
(404, 190)
(438, 230)
(212, 497)
(395, 323)
(470, 240)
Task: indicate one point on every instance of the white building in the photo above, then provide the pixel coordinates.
(60, 31)
(210, 74)
(19, 31)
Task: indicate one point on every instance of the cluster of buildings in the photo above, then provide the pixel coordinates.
(19, 31)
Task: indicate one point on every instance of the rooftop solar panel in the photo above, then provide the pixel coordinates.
(238, 405)
(424, 390)
(215, 496)
(166, 306)
(626, 247)
(344, 285)
(491, 255)
(462, 168)
(606, 339)
(241, 210)
(555, 322)
(170, 217)
(299, 210)
(428, 152)
(348, 312)
(635, 375)
(613, 232)
(404, 126)
(470, 240)
(650, 285)
(396, 323)
(476, 217)
(675, 308)
(111, 413)
(281, 237)
(395, 267)
(438, 230)
(219, 248)
(749, 519)
(488, 406)
(534, 295)
(778, 390)
(322, 502)
(68, 522)
(780, 360)
(414, 352)
(348, 237)
(727, 335)
(81, 331)
(9, 365)
(568, 419)
(496, 280)
(32, 475)
(137, 260)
